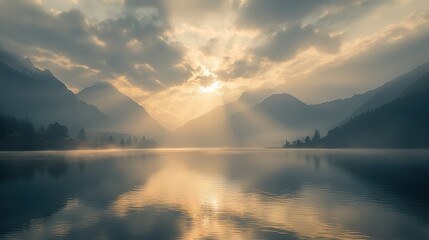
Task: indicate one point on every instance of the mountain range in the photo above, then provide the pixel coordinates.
(281, 116)
(258, 118)
(277, 116)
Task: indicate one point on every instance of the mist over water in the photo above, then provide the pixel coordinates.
(215, 194)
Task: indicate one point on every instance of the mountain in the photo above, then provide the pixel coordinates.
(290, 112)
(392, 89)
(28, 92)
(269, 120)
(213, 128)
(126, 115)
(283, 115)
(256, 122)
(343, 108)
(245, 101)
(402, 123)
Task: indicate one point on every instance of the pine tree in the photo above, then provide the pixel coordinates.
(56, 132)
(316, 136)
(307, 140)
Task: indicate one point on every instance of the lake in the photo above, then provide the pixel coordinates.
(215, 194)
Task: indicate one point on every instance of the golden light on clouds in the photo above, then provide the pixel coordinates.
(199, 54)
(98, 41)
(214, 87)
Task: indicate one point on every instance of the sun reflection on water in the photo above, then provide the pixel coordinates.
(212, 202)
(212, 194)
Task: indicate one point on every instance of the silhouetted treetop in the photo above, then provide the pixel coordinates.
(56, 132)
(316, 136)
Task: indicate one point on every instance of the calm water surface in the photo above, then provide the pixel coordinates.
(215, 194)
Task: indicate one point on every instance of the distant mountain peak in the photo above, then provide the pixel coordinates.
(49, 73)
(103, 84)
(100, 86)
(100, 90)
(282, 98)
(261, 93)
(127, 114)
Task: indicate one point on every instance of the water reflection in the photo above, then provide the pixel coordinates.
(215, 194)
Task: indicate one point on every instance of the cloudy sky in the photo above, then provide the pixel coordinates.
(180, 58)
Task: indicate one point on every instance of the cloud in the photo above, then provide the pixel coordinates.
(284, 45)
(371, 61)
(243, 68)
(158, 48)
(209, 48)
(197, 6)
(268, 13)
(141, 42)
(94, 9)
(154, 7)
(193, 11)
(112, 47)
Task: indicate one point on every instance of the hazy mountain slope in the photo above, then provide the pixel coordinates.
(214, 128)
(27, 92)
(392, 89)
(278, 109)
(267, 121)
(288, 111)
(275, 106)
(283, 115)
(286, 115)
(245, 101)
(341, 109)
(402, 123)
(126, 114)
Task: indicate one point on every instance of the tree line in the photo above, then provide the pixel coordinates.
(20, 134)
(304, 142)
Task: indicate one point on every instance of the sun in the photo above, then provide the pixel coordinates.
(207, 73)
(214, 87)
(210, 89)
